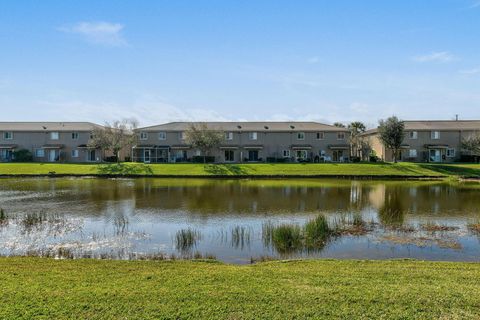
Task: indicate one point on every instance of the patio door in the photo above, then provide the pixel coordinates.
(92, 156)
(337, 155)
(52, 155)
(435, 155)
(302, 155)
(252, 155)
(147, 155)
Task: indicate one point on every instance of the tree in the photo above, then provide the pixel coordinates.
(392, 133)
(114, 137)
(339, 125)
(203, 138)
(356, 129)
(472, 145)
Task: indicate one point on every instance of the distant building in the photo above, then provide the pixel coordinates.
(428, 141)
(49, 141)
(247, 142)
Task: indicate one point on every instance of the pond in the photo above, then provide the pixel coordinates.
(240, 221)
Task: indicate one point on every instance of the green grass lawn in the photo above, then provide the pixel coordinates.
(99, 289)
(321, 169)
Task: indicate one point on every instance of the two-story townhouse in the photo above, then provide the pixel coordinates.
(247, 142)
(428, 141)
(49, 141)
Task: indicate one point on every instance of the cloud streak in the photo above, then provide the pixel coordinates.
(442, 57)
(102, 33)
(471, 71)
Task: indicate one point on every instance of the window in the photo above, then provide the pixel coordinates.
(413, 135)
(286, 153)
(252, 136)
(229, 156)
(341, 136)
(198, 153)
(74, 153)
(181, 135)
(412, 153)
(143, 135)
(74, 135)
(435, 135)
(39, 153)
(54, 135)
(300, 135)
(91, 136)
(320, 135)
(8, 135)
(228, 135)
(450, 152)
(162, 136)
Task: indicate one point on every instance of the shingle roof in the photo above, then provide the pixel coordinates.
(247, 126)
(440, 125)
(48, 126)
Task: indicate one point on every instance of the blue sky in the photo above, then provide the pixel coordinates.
(163, 61)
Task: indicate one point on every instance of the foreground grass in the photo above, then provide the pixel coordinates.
(323, 169)
(100, 289)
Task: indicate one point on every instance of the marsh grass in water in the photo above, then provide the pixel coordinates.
(3, 217)
(240, 237)
(434, 227)
(474, 227)
(186, 239)
(287, 237)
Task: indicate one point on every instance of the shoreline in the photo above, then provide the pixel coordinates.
(239, 177)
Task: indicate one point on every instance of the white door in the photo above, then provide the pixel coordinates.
(146, 156)
(52, 155)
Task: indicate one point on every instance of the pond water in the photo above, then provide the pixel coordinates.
(238, 221)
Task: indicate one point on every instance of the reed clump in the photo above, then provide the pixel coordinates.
(186, 239)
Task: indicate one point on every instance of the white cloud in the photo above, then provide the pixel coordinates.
(103, 33)
(442, 56)
(147, 110)
(471, 71)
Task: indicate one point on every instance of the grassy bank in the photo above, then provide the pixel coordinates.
(324, 169)
(96, 289)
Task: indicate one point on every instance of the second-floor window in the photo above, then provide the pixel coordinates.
(341, 136)
(252, 136)
(54, 135)
(228, 135)
(143, 135)
(413, 135)
(8, 135)
(320, 135)
(162, 136)
(435, 135)
(181, 135)
(74, 135)
(301, 136)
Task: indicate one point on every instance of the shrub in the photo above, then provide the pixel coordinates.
(23, 155)
(317, 230)
(287, 237)
(200, 159)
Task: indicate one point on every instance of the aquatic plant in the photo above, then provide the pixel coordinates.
(3, 217)
(317, 230)
(287, 237)
(186, 239)
(474, 227)
(240, 237)
(433, 227)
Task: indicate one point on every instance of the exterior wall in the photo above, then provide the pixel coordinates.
(269, 145)
(448, 140)
(32, 141)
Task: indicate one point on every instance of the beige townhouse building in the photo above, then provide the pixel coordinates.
(428, 141)
(247, 142)
(49, 141)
